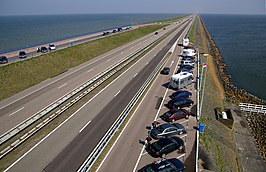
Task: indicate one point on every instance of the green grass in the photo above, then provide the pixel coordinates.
(192, 32)
(19, 76)
(171, 19)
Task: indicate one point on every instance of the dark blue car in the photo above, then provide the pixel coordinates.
(181, 94)
(172, 164)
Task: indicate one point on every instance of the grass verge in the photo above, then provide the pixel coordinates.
(19, 76)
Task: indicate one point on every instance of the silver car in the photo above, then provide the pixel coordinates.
(167, 129)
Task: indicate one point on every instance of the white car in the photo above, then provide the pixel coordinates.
(52, 47)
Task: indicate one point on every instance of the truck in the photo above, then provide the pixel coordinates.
(181, 80)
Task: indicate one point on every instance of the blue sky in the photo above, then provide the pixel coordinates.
(29, 7)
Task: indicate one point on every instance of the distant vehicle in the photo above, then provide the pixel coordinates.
(165, 70)
(105, 33)
(171, 165)
(166, 130)
(52, 47)
(42, 49)
(119, 29)
(128, 28)
(22, 54)
(165, 146)
(185, 42)
(181, 80)
(175, 114)
(3, 59)
(156, 33)
(181, 94)
(114, 31)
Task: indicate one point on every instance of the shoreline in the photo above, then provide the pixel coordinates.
(233, 93)
(63, 41)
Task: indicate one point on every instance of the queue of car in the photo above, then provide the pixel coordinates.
(165, 134)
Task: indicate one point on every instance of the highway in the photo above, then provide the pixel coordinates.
(72, 141)
(127, 154)
(19, 107)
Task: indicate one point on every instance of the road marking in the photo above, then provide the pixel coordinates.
(62, 85)
(16, 111)
(180, 156)
(137, 163)
(108, 60)
(25, 154)
(172, 63)
(135, 75)
(90, 70)
(144, 153)
(127, 125)
(84, 126)
(146, 63)
(122, 52)
(117, 93)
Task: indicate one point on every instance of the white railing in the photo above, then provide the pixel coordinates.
(252, 108)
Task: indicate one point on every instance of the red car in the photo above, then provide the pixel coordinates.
(175, 114)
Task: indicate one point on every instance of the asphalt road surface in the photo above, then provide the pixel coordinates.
(19, 107)
(68, 145)
(127, 154)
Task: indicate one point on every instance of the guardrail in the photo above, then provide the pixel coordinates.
(108, 72)
(88, 163)
(101, 77)
(109, 134)
(252, 108)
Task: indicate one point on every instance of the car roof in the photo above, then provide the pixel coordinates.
(178, 125)
(165, 125)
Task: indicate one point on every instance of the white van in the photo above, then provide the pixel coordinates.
(180, 80)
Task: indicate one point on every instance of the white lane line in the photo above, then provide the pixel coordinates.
(84, 126)
(62, 85)
(16, 111)
(144, 153)
(137, 163)
(108, 60)
(90, 70)
(127, 125)
(117, 93)
(25, 154)
(180, 156)
(135, 75)
(122, 52)
(146, 63)
(104, 56)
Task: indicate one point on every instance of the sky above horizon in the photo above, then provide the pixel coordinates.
(32, 7)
